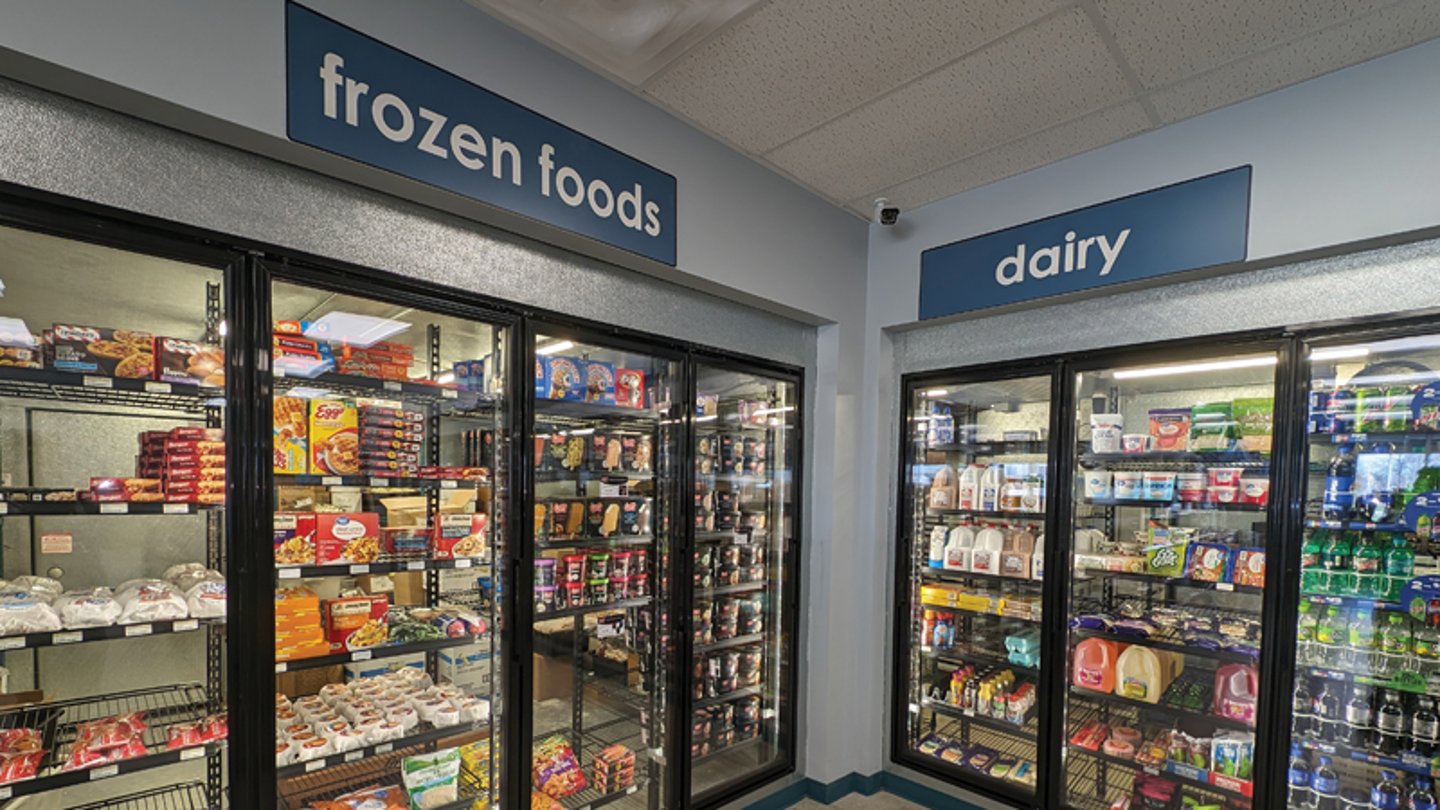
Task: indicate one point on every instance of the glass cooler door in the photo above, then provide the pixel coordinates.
(605, 432)
(1166, 581)
(1367, 656)
(977, 490)
(390, 484)
(746, 447)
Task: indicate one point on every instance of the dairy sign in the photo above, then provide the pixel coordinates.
(1190, 225)
(359, 98)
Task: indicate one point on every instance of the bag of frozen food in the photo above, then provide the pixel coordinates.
(206, 599)
(187, 575)
(93, 608)
(44, 587)
(24, 612)
(150, 601)
(1212, 427)
(371, 798)
(1254, 423)
(555, 770)
(432, 780)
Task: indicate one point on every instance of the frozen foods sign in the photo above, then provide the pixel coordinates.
(359, 98)
(1194, 224)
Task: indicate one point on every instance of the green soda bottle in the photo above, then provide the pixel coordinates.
(1312, 566)
(1394, 644)
(1338, 559)
(1399, 566)
(1370, 569)
(1330, 635)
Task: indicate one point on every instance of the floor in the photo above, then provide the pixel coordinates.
(880, 801)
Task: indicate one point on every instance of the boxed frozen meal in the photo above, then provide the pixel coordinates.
(469, 375)
(291, 436)
(294, 538)
(95, 350)
(600, 382)
(298, 356)
(334, 438)
(347, 538)
(460, 535)
(185, 361)
(356, 622)
(138, 490)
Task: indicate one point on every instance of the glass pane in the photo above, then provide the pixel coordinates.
(111, 383)
(389, 437)
(1167, 574)
(605, 452)
(1367, 656)
(745, 454)
(978, 492)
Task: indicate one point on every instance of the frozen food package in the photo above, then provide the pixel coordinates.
(206, 599)
(24, 612)
(44, 587)
(151, 601)
(93, 608)
(1212, 427)
(1254, 423)
(188, 575)
(432, 780)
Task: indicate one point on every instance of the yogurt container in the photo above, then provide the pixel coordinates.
(1225, 476)
(1255, 491)
(1159, 486)
(1190, 486)
(1224, 494)
(1128, 485)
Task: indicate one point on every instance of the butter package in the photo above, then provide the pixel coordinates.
(599, 382)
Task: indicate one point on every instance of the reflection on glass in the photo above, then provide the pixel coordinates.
(604, 452)
(1368, 635)
(979, 490)
(745, 434)
(112, 403)
(388, 437)
(1167, 574)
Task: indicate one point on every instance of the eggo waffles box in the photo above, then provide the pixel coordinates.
(92, 350)
(347, 538)
(291, 438)
(334, 438)
(294, 538)
(460, 536)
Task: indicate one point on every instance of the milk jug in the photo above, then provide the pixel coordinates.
(990, 485)
(969, 487)
(1141, 675)
(1236, 686)
(985, 558)
(1094, 666)
(1037, 563)
(937, 547)
(959, 547)
(942, 489)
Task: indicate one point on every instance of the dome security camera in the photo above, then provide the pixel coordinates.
(885, 213)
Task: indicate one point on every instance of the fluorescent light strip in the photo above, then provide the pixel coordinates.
(764, 411)
(558, 346)
(446, 378)
(936, 392)
(711, 418)
(1195, 368)
(1339, 353)
(582, 432)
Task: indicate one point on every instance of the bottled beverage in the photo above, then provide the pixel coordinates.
(968, 490)
(1302, 711)
(1427, 642)
(1397, 408)
(1341, 405)
(1306, 646)
(1399, 566)
(1369, 564)
(1369, 410)
(1319, 412)
(1329, 715)
(1312, 564)
(1386, 794)
(1325, 786)
(937, 547)
(1034, 498)
(1012, 493)
(1394, 644)
(1422, 797)
(992, 482)
(1425, 727)
(1360, 639)
(1330, 633)
(1390, 723)
(1340, 484)
(1299, 777)
(1359, 718)
(1338, 559)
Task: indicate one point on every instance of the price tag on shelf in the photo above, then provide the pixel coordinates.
(97, 382)
(4, 508)
(384, 748)
(185, 626)
(379, 482)
(6, 793)
(192, 753)
(914, 708)
(288, 573)
(1153, 771)
(104, 773)
(114, 508)
(331, 481)
(968, 713)
(133, 630)
(314, 765)
(176, 509)
(281, 667)
(360, 569)
(67, 638)
(449, 484)
(158, 388)
(449, 393)
(12, 643)
(463, 562)
(361, 655)
(417, 565)
(1224, 586)
(631, 789)
(391, 385)
(354, 756)
(768, 714)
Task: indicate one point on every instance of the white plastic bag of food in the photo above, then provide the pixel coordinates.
(188, 575)
(44, 587)
(432, 780)
(93, 608)
(23, 612)
(206, 599)
(150, 603)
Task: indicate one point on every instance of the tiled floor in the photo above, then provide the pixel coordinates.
(880, 801)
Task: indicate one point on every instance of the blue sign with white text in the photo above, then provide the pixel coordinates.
(1198, 223)
(356, 97)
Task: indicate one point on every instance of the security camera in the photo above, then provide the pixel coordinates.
(885, 213)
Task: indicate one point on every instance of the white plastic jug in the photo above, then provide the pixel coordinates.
(991, 483)
(1141, 675)
(937, 547)
(985, 557)
(958, 548)
(969, 487)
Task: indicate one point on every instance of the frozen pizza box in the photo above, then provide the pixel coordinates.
(98, 350)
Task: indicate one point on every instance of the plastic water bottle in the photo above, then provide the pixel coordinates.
(1421, 796)
(1387, 793)
(1299, 793)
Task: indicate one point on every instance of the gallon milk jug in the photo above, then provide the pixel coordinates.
(969, 487)
(1236, 686)
(937, 547)
(958, 548)
(985, 557)
(1037, 563)
(1141, 675)
(1095, 664)
(991, 483)
(942, 489)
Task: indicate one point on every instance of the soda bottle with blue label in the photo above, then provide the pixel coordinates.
(1341, 407)
(1325, 786)
(1421, 796)
(1387, 793)
(1299, 775)
(1340, 484)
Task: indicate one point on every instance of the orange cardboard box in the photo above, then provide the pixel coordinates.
(334, 438)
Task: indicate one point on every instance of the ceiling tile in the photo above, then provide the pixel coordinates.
(795, 64)
(1389, 29)
(1081, 135)
(1043, 75)
(1167, 42)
